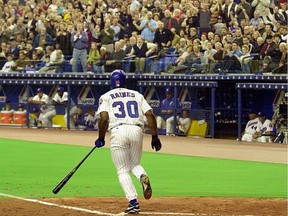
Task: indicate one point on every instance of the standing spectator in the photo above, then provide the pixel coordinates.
(106, 36)
(163, 37)
(170, 22)
(61, 99)
(191, 19)
(245, 9)
(166, 117)
(255, 19)
(260, 6)
(93, 57)
(219, 25)
(142, 50)
(63, 39)
(126, 125)
(79, 41)
(115, 26)
(47, 110)
(43, 39)
(204, 18)
(268, 50)
(147, 27)
(228, 9)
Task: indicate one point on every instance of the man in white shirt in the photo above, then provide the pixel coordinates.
(61, 98)
(7, 67)
(252, 126)
(266, 129)
(47, 110)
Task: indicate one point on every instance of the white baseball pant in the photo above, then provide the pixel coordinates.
(126, 149)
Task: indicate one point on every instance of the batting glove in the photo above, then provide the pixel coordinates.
(99, 143)
(155, 143)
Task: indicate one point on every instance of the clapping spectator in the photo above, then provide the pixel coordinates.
(79, 40)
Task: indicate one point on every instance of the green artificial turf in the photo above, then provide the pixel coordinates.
(32, 169)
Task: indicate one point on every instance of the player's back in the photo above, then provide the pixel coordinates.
(124, 106)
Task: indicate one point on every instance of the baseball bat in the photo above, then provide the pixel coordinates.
(61, 184)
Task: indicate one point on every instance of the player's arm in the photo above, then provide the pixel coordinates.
(31, 100)
(155, 143)
(151, 122)
(102, 128)
(103, 124)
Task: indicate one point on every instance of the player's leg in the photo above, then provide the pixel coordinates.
(136, 145)
(161, 124)
(120, 152)
(247, 137)
(170, 127)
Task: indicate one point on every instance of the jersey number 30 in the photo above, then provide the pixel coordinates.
(129, 108)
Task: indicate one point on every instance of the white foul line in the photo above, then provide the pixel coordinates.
(57, 205)
(98, 212)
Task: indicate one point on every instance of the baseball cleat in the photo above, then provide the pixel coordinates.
(146, 186)
(133, 209)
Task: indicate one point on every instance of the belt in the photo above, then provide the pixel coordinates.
(138, 125)
(80, 48)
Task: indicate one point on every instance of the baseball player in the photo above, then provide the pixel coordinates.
(122, 111)
(47, 110)
(266, 129)
(61, 98)
(166, 120)
(252, 126)
(184, 122)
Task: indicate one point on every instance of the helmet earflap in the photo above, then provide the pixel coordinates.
(118, 79)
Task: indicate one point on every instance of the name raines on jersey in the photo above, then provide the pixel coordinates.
(122, 95)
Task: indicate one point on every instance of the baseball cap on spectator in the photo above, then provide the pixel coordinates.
(219, 17)
(260, 114)
(39, 48)
(269, 37)
(168, 90)
(35, 110)
(60, 89)
(39, 90)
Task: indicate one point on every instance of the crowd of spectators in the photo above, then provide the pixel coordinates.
(97, 35)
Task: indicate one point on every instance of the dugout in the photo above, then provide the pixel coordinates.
(83, 93)
(226, 94)
(187, 93)
(274, 90)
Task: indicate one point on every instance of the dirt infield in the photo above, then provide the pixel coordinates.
(231, 149)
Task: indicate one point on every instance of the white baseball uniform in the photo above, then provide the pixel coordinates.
(126, 109)
(47, 110)
(184, 124)
(265, 127)
(252, 126)
(73, 109)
